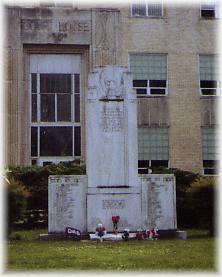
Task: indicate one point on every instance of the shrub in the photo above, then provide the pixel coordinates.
(201, 202)
(183, 178)
(35, 180)
(17, 195)
(14, 236)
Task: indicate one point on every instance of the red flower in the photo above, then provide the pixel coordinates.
(115, 219)
(139, 234)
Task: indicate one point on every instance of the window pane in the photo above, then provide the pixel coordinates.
(148, 66)
(34, 82)
(77, 141)
(141, 91)
(210, 171)
(153, 144)
(63, 107)
(77, 83)
(34, 107)
(77, 108)
(139, 9)
(142, 163)
(209, 163)
(34, 141)
(208, 91)
(56, 141)
(159, 163)
(140, 83)
(208, 13)
(47, 107)
(158, 91)
(208, 8)
(209, 69)
(210, 151)
(155, 9)
(55, 83)
(157, 83)
(143, 171)
(208, 84)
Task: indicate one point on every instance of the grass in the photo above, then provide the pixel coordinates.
(197, 253)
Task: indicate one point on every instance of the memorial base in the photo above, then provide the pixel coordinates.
(104, 203)
(150, 204)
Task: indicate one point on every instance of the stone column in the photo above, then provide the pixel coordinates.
(16, 136)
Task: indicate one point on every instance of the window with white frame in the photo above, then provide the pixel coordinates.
(153, 145)
(149, 74)
(209, 75)
(209, 9)
(55, 108)
(147, 8)
(210, 150)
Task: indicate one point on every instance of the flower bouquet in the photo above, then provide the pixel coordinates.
(115, 220)
(139, 234)
(153, 234)
(100, 231)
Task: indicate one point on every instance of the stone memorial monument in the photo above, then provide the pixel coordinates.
(112, 186)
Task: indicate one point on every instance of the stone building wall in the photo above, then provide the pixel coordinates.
(108, 36)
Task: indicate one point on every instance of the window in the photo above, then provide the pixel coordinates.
(210, 152)
(149, 9)
(55, 108)
(153, 147)
(209, 9)
(209, 75)
(149, 74)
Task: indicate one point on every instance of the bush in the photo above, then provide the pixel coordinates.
(17, 195)
(183, 178)
(35, 219)
(200, 201)
(35, 180)
(14, 236)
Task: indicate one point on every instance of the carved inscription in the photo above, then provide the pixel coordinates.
(74, 26)
(168, 179)
(113, 204)
(154, 209)
(112, 119)
(64, 204)
(32, 25)
(64, 179)
(46, 25)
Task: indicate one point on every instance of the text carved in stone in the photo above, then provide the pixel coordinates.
(112, 119)
(113, 204)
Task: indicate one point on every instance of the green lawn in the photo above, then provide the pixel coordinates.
(193, 254)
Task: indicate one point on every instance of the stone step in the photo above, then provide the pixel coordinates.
(164, 234)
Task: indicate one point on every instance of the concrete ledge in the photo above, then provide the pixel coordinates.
(112, 236)
(181, 234)
(57, 236)
(172, 234)
(164, 234)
